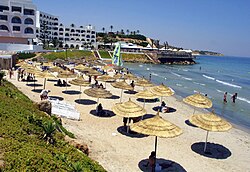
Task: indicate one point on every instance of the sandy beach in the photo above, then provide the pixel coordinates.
(117, 152)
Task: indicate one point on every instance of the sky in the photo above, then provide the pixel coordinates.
(215, 25)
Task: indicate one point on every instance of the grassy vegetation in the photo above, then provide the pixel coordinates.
(135, 58)
(23, 131)
(71, 54)
(25, 55)
(104, 54)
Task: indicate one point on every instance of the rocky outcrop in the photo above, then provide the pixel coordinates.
(78, 145)
(45, 106)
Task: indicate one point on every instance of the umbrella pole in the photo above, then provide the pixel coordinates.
(105, 84)
(121, 96)
(34, 84)
(153, 169)
(44, 83)
(66, 83)
(194, 111)
(80, 92)
(205, 147)
(128, 126)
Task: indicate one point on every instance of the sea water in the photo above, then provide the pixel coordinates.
(211, 75)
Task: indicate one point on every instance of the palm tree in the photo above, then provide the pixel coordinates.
(77, 167)
(49, 129)
(72, 25)
(111, 27)
(103, 29)
(122, 31)
(128, 31)
(134, 32)
(138, 31)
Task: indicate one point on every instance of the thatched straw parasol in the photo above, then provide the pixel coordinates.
(94, 73)
(198, 100)
(123, 86)
(56, 69)
(47, 64)
(210, 122)
(105, 78)
(130, 76)
(144, 83)
(146, 94)
(79, 81)
(128, 109)
(81, 67)
(98, 93)
(161, 90)
(45, 75)
(66, 74)
(158, 127)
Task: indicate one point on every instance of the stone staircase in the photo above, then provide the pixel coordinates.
(153, 57)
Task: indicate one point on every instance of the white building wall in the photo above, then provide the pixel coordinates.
(20, 47)
(21, 15)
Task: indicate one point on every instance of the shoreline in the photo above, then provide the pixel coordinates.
(118, 152)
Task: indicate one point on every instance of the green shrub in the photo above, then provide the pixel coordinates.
(22, 131)
(25, 55)
(2, 74)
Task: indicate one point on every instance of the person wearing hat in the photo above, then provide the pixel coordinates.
(44, 94)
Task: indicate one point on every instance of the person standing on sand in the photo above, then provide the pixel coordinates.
(225, 97)
(150, 77)
(234, 97)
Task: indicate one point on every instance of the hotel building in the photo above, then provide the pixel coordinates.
(21, 26)
(17, 21)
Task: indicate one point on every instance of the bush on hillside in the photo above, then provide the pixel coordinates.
(21, 133)
(25, 55)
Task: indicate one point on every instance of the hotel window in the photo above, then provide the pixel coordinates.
(83, 31)
(88, 31)
(28, 21)
(4, 17)
(29, 12)
(4, 8)
(16, 9)
(61, 29)
(16, 20)
(29, 30)
(4, 28)
(93, 32)
(16, 28)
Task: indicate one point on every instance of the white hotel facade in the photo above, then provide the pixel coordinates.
(22, 26)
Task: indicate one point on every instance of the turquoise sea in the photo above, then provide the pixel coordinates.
(212, 76)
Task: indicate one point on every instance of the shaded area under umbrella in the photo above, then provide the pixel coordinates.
(128, 110)
(158, 127)
(210, 122)
(123, 86)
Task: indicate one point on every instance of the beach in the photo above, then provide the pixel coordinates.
(117, 152)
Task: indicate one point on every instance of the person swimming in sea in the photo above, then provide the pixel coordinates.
(225, 97)
(234, 97)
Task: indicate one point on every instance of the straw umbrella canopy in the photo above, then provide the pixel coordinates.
(144, 83)
(66, 74)
(198, 100)
(81, 67)
(94, 73)
(80, 82)
(128, 109)
(105, 78)
(56, 69)
(123, 86)
(47, 64)
(45, 75)
(210, 122)
(161, 90)
(158, 127)
(130, 76)
(98, 93)
(117, 76)
(146, 94)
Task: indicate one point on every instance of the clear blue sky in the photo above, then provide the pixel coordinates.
(216, 25)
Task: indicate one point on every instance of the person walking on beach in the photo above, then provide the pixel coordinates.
(234, 97)
(225, 97)
(150, 77)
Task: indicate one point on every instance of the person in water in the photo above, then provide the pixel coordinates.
(234, 97)
(225, 97)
